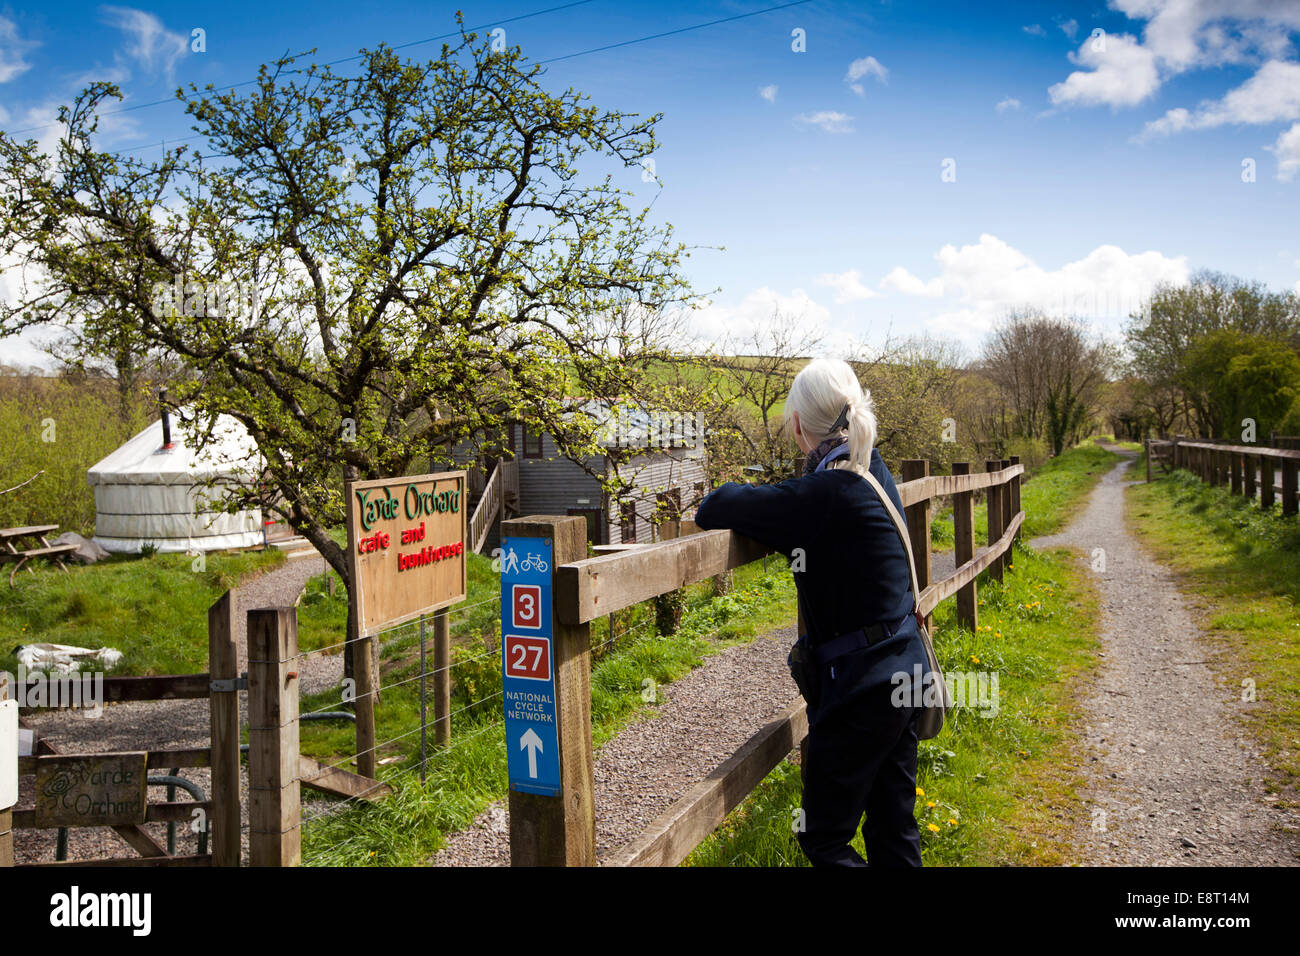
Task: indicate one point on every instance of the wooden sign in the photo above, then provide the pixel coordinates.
(406, 546)
(91, 790)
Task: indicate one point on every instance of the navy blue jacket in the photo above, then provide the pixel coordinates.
(855, 570)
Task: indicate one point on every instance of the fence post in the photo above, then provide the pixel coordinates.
(1288, 486)
(441, 677)
(363, 702)
(1007, 513)
(1267, 490)
(223, 722)
(561, 831)
(1235, 469)
(274, 794)
(963, 528)
(1013, 490)
(1146, 447)
(1249, 466)
(995, 519)
(918, 525)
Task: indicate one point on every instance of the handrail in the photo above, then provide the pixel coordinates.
(481, 521)
(1242, 449)
(588, 589)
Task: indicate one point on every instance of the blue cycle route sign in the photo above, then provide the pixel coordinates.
(528, 666)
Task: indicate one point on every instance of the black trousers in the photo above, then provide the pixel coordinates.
(861, 758)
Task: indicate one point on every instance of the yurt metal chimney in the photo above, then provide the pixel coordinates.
(166, 419)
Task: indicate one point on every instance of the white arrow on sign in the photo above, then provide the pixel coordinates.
(533, 744)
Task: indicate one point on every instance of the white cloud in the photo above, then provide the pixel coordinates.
(848, 286)
(1179, 35)
(829, 121)
(768, 92)
(864, 67)
(1287, 151)
(1010, 103)
(1121, 72)
(900, 280)
(149, 43)
(984, 280)
(13, 51)
(1272, 95)
(1069, 28)
(753, 314)
(1035, 30)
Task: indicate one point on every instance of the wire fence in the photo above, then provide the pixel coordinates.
(329, 809)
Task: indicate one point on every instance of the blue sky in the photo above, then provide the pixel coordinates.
(1092, 149)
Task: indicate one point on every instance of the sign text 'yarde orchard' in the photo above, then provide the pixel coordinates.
(406, 545)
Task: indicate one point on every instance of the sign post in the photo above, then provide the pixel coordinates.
(406, 553)
(527, 674)
(546, 693)
(8, 777)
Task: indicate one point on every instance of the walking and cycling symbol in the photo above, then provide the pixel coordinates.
(511, 564)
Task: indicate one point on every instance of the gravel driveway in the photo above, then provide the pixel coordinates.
(1173, 778)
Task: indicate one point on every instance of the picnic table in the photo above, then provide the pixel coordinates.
(22, 555)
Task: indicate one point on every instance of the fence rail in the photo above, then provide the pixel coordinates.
(1249, 470)
(550, 831)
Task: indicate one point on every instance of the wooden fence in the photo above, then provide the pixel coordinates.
(276, 770)
(561, 831)
(1266, 473)
(218, 815)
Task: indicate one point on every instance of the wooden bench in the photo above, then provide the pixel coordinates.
(46, 550)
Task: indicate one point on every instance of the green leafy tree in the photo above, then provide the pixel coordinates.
(1161, 334)
(1245, 377)
(364, 270)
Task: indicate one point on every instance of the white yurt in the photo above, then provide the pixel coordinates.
(159, 489)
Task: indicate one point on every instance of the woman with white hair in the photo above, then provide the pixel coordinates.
(854, 582)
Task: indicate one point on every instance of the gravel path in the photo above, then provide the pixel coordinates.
(1173, 778)
(165, 725)
(698, 722)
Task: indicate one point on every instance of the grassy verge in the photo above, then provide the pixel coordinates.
(464, 778)
(153, 609)
(993, 786)
(1243, 568)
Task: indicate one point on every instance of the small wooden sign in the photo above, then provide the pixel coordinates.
(406, 546)
(91, 790)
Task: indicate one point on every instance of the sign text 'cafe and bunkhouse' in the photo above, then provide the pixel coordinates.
(406, 545)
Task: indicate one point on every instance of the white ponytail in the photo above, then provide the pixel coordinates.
(820, 393)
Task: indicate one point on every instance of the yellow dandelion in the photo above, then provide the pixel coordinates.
(934, 827)
(952, 822)
(997, 633)
(920, 792)
(930, 804)
(974, 658)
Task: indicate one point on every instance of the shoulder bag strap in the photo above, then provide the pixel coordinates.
(899, 527)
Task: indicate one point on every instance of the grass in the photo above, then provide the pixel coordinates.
(408, 827)
(153, 609)
(1242, 568)
(996, 789)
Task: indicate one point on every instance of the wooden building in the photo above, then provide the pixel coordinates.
(660, 456)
